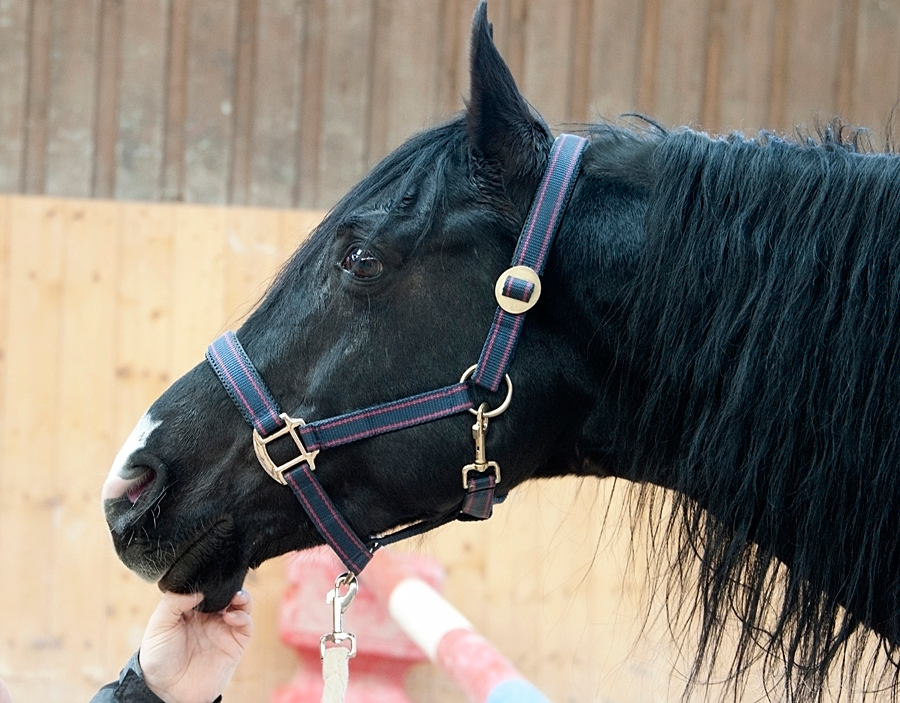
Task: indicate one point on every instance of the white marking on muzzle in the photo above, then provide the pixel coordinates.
(116, 485)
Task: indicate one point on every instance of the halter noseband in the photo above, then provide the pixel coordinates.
(517, 290)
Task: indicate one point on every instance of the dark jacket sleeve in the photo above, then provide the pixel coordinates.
(130, 688)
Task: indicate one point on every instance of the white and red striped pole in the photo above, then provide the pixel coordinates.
(446, 636)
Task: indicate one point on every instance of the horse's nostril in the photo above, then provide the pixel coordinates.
(139, 485)
(132, 488)
(142, 473)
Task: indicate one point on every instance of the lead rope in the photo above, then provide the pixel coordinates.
(336, 674)
(335, 658)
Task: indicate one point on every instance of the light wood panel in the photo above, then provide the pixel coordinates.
(102, 305)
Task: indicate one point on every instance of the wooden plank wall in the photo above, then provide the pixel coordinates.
(288, 102)
(90, 335)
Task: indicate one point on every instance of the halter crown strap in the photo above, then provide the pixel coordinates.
(540, 228)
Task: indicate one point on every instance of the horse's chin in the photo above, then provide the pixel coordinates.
(216, 594)
(208, 563)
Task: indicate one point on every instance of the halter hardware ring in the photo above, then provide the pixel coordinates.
(262, 453)
(506, 401)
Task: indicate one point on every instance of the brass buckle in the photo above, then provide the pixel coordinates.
(262, 454)
(512, 305)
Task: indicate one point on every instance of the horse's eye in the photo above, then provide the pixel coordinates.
(362, 263)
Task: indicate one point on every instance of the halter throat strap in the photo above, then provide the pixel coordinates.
(517, 290)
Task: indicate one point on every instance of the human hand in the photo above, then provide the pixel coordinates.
(189, 657)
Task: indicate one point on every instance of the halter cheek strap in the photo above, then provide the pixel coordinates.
(517, 291)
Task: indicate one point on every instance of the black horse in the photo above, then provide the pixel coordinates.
(720, 321)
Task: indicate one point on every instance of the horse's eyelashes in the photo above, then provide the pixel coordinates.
(361, 263)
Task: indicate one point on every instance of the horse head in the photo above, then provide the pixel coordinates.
(391, 296)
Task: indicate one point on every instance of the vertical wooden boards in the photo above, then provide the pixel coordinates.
(266, 663)
(648, 56)
(13, 92)
(343, 129)
(38, 96)
(142, 371)
(109, 47)
(680, 58)
(71, 111)
(812, 56)
(198, 284)
(277, 98)
(252, 255)
(452, 57)
(30, 503)
(141, 100)
(876, 83)
(579, 68)
(5, 304)
(243, 112)
(613, 79)
(509, 19)
(210, 100)
(176, 89)
(742, 44)
(84, 440)
(547, 62)
(5, 238)
(312, 53)
(289, 102)
(294, 227)
(404, 70)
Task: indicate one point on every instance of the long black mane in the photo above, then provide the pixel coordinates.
(763, 332)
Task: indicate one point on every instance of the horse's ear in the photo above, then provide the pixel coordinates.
(504, 129)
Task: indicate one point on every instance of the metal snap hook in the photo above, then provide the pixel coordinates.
(339, 603)
(506, 401)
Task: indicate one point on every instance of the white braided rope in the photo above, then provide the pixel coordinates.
(335, 672)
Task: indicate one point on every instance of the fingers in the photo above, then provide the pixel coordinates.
(237, 619)
(241, 602)
(177, 604)
(237, 614)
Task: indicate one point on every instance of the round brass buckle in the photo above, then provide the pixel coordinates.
(515, 306)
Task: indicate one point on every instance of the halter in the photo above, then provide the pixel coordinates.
(517, 290)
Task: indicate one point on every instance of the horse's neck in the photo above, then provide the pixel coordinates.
(594, 257)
